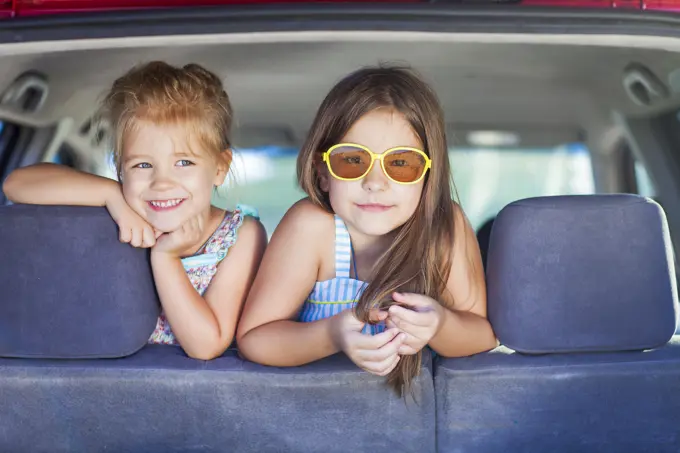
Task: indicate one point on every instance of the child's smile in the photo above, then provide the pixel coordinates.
(167, 177)
(165, 205)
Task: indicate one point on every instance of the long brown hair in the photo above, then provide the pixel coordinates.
(419, 260)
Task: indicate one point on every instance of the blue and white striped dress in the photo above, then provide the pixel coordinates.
(330, 297)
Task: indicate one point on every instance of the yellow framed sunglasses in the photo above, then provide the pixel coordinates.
(402, 164)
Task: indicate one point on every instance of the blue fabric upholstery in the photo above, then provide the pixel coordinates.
(70, 289)
(551, 274)
(159, 400)
(570, 274)
(560, 403)
(582, 273)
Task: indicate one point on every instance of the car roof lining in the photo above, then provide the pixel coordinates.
(566, 82)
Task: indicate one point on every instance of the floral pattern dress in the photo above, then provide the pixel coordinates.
(202, 266)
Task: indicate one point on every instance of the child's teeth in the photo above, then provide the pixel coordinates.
(166, 204)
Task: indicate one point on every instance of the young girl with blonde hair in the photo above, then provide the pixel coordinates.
(172, 149)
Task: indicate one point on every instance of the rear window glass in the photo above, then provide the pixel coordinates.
(264, 178)
(644, 183)
(487, 179)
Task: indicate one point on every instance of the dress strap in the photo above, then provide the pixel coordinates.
(247, 210)
(343, 249)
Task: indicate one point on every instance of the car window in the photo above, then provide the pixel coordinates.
(487, 179)
(264, 178)
(645, 187)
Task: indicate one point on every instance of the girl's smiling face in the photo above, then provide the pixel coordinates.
(375, 205)
(166, 177)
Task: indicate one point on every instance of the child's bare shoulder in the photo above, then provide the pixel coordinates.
(308, 216)
(306, 225)
(252, 230)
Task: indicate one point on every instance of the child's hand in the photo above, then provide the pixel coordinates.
(133, 229)
(179, 241)
(419, 323)
(376, 354)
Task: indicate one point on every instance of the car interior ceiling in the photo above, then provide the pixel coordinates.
(553, 92)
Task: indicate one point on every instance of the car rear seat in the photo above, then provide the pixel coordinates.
(158, 399)
(585, 288)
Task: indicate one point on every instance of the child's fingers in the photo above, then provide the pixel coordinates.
(368, 342)
(406, 349)
(352, 323)
(190, 226)
(125, 235)
(382, 353)
(392, 366)
(197, 229)
(148, 237)
(389, 324)
(413, 300)
(401, 314)
(414, 333)
(383, 368)
(377, 315)
(137, 237)
(404, 325)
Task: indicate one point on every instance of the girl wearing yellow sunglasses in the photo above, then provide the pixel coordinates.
(379, 261)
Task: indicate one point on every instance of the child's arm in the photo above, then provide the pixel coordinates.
(51, 184)
(205, 325)
(457, 331)
(268, 332)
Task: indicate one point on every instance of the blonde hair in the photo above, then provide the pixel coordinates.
(164, 94)
(419, 259)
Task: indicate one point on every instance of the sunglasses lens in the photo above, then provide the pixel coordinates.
(404, 165)
(349, 162)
